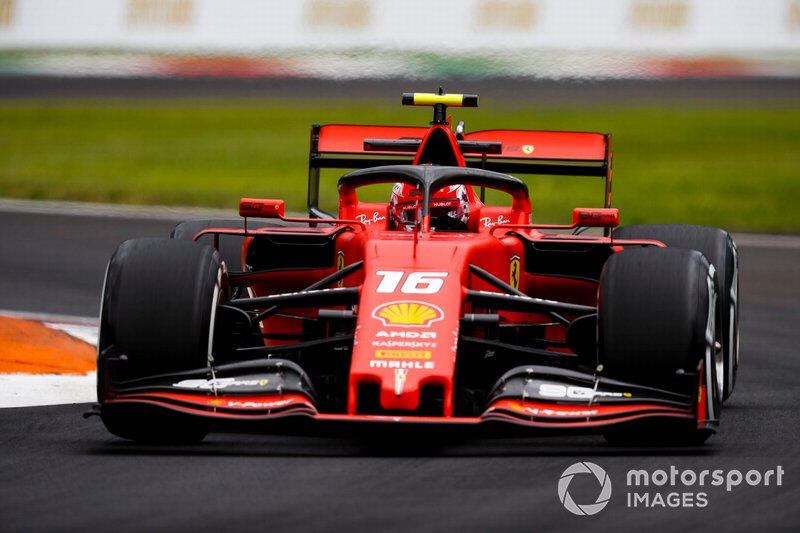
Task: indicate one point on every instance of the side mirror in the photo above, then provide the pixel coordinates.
(595, 217)
(261, 208)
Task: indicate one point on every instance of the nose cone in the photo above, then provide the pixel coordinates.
(402, 380)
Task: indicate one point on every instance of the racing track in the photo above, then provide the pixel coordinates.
(670, 91)
(61, 472)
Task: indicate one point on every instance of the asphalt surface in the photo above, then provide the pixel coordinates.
(55, 262)
(575, 92)
(60, 472)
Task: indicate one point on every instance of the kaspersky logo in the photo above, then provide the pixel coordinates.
(408, 314)
(582, 469)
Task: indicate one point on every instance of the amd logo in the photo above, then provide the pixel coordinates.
(407, 334)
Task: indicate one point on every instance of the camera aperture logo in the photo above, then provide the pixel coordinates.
(665, 488)
(586, 509)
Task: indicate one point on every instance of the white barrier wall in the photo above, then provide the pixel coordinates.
(270, 26)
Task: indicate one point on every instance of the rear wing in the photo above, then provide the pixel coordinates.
(562, 153)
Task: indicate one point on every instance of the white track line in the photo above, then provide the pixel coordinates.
(87, 334)
(28, 390)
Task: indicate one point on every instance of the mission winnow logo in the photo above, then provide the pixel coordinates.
(662, 488)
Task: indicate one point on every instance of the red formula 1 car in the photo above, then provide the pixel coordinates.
(432, 308)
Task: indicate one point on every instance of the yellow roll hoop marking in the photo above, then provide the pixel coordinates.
(450, 100)
(433, 99)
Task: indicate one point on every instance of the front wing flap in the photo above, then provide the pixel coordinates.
(552, 397)
(257, 389)
(536, 397)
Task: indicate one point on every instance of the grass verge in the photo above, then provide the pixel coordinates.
(734, 167)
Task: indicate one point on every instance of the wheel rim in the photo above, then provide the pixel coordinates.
(719, 363)
(713, 344)
(733, 325)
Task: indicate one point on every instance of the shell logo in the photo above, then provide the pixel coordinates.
(408, 314)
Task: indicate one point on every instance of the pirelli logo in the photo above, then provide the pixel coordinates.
(402, 354)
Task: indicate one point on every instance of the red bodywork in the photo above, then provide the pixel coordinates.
(423, 310)
(413, 287)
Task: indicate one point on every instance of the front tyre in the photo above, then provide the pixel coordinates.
(157, 316)
(657, 326)
(720, 250)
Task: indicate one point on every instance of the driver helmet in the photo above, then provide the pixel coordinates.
(449, 207)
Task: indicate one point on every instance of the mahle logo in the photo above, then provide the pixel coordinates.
(584, 468)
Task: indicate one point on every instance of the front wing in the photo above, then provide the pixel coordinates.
(534, 397)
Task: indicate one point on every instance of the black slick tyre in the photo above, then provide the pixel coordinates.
(156, 317)
(720, 250)
(657, 322)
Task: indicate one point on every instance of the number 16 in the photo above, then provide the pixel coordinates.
(415, 283)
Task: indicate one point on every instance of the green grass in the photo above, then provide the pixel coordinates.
(735, 166)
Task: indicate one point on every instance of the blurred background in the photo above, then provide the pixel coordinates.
(199, 102)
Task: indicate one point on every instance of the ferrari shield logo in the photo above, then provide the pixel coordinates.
(514, 272)
(527, 149)
(340, 266)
